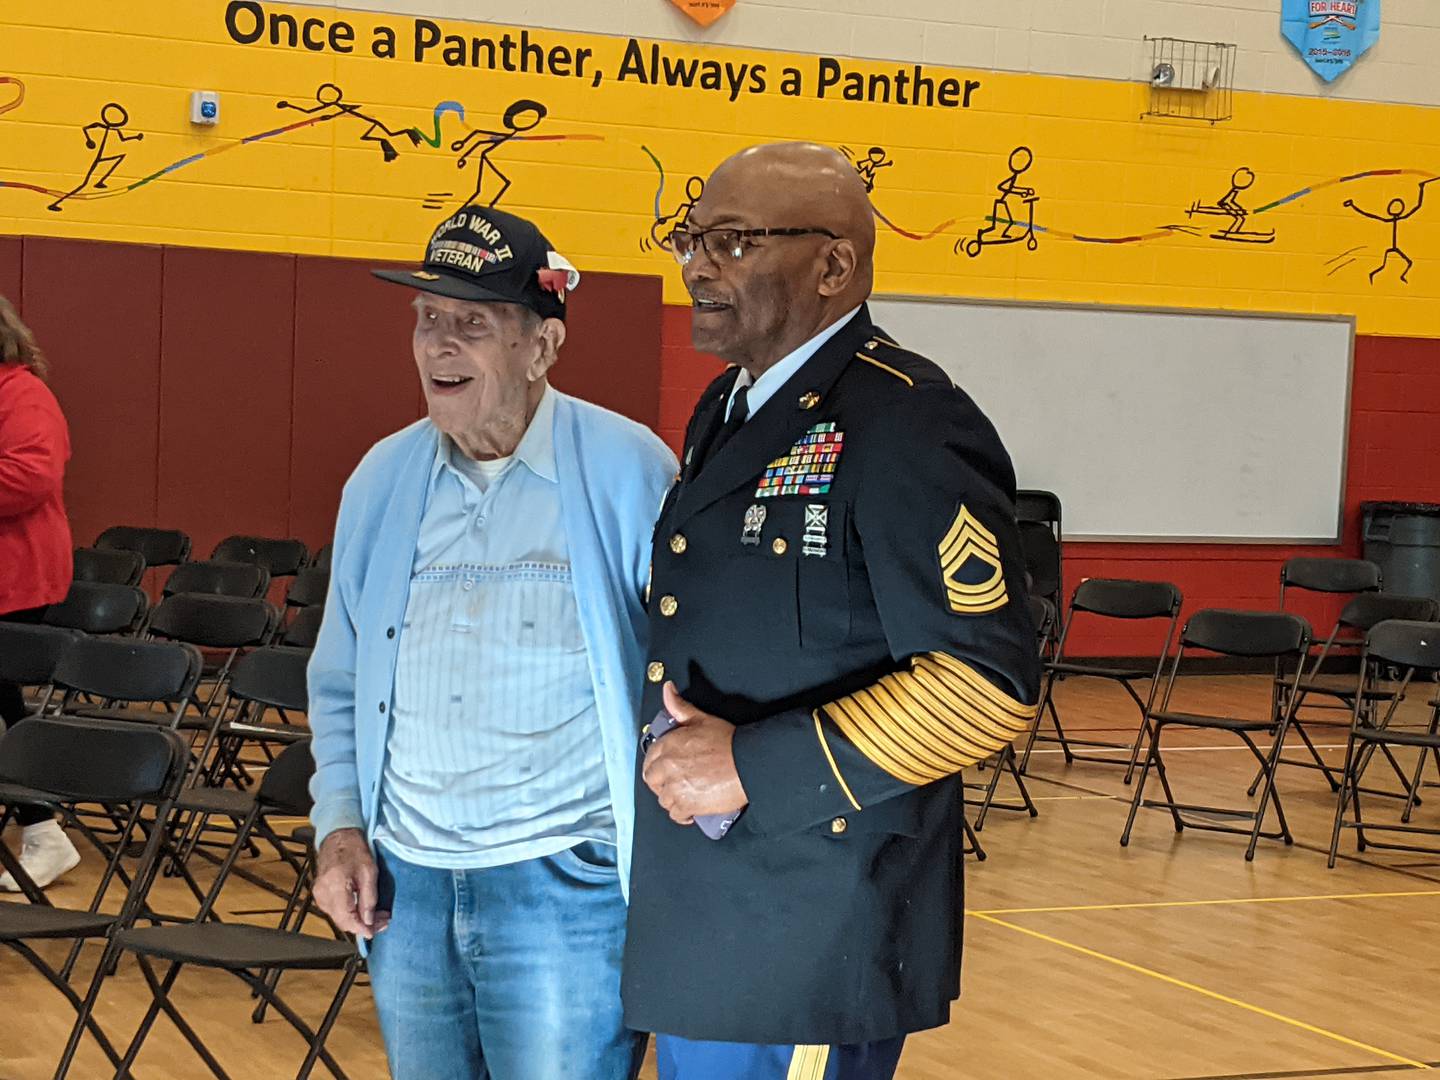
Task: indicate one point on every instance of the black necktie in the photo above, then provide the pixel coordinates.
(739, 412)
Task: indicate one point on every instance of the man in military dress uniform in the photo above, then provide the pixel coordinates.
(838, 623)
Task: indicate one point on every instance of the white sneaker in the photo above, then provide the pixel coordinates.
(45, 853)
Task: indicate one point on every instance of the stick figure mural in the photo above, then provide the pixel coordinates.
(111, 125)
(665, 224)
(874, 160)
(1395, 213)
(1002, 215)
(522, 116)
(1229, 205)
(330, 104)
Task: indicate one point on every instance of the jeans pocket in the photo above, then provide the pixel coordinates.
(589, 861)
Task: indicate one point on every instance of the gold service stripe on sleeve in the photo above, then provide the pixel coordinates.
(929, 722)
(825, 745)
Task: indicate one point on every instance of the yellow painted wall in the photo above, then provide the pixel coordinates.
(589, 177)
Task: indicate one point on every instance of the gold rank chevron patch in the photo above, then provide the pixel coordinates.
(967, 544)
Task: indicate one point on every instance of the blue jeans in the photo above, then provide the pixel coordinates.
(507, 973)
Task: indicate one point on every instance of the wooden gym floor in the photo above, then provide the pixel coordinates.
(1173, 959)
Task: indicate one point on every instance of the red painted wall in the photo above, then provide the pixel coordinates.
(227, 392)
(1394, 454)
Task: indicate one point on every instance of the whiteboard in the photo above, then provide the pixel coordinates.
(1155, 424)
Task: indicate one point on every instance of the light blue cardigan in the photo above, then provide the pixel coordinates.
(613, 474)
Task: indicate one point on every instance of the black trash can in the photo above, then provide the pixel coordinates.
(1404, 539)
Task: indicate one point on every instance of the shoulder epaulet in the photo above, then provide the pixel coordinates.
(901, 364)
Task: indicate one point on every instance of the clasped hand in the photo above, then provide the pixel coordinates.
(692, 769)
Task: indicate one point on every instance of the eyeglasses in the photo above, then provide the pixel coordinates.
(727, 245)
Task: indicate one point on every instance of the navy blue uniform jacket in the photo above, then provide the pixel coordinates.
(843, 581)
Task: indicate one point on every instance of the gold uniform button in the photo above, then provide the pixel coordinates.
(779, 546)
(678, 544)
(839, 825)
(655, 672)
(668, 606)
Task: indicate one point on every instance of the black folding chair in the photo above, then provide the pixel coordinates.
(309, 588)
(129, 677)
(254, 954)
(270, 680)
(1414, 647)
(99, 608)
(304, 628)
(1108, 598)
(1041, 536)
(160, 547)
(1328, 577)
(29, 654)
(321, 561)
(1359, 616)
(1042, 615)
(1253, 634)
(280, 558)
(245, 580)
(127, 770)
(110, 565)
(224, 624)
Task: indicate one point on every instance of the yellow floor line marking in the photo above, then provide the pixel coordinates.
(1311, 1028)
(1200, 903)
(1069, 798)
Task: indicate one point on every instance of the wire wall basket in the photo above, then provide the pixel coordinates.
(1191, 80)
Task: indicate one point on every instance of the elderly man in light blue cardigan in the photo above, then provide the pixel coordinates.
(474, 691)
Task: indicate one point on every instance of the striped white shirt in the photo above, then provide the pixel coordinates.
(494, 752)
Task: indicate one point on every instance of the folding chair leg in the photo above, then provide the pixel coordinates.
(160, 1000)
(1415, 783)
(1004, 763)
(1165, 785)
(84, 1010)
(1267, 791)
(1135, 749)
(1060, 731)
(972, 842)
(1046, 692)
(1347, 781)
(1325, 769)
(1139, 793)
(316, 1038)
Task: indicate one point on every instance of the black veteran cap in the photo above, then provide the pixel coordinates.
(480, 253)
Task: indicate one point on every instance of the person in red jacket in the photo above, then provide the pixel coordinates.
(36, 562)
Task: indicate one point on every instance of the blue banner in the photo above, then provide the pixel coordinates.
(1331, 34)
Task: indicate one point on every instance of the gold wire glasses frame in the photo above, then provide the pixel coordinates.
(729, 243)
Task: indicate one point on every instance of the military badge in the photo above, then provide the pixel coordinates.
(970, 568)
(807, 468)
(754, 524)
(817, 530)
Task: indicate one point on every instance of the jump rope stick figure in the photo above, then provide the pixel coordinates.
(1394, 214)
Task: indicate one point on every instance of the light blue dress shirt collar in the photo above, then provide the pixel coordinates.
(536, 449)
(764, 388)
